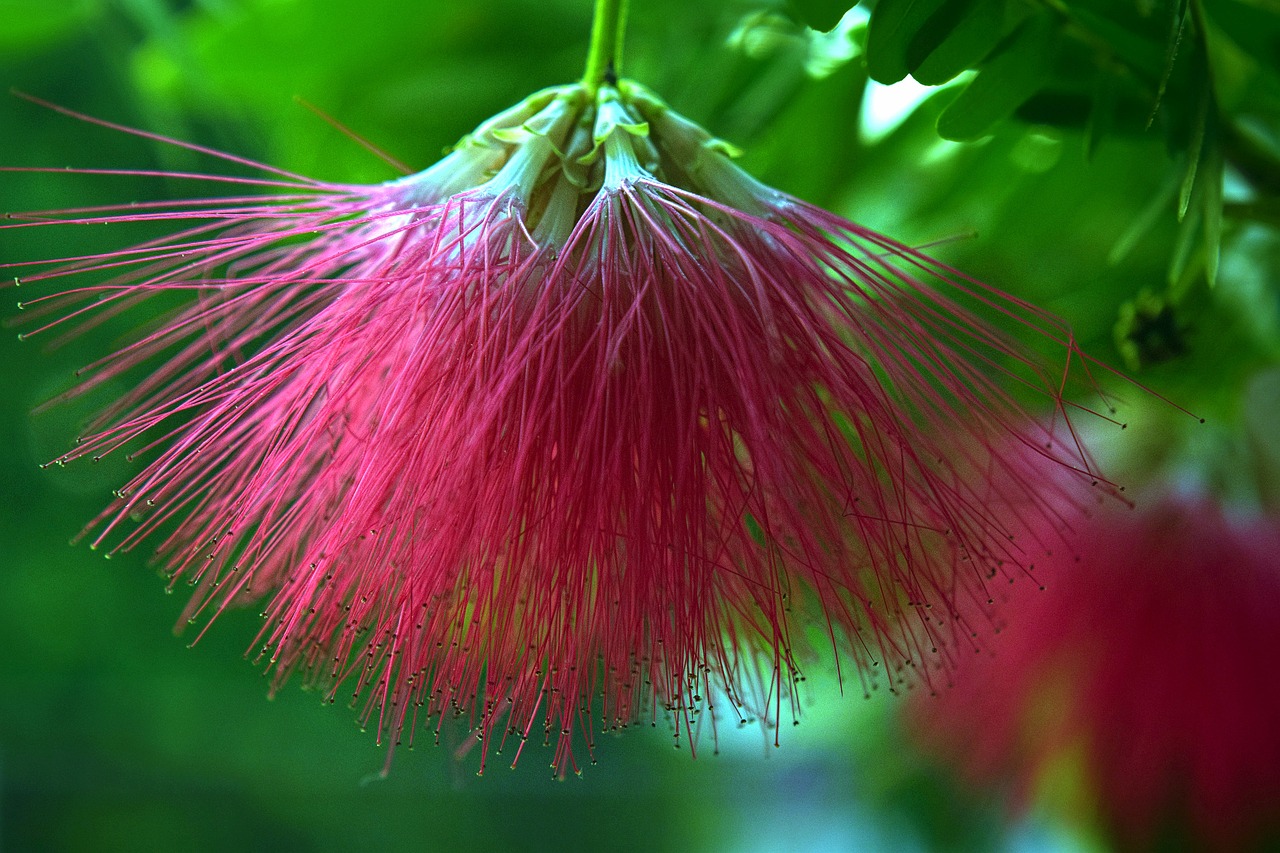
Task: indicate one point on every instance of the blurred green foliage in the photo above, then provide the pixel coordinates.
(1120, 166)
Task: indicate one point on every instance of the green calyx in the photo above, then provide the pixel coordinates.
(559, 149)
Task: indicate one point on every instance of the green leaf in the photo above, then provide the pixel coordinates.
(1102, 113)
(1211, 173)
(1194, 146)
(1144, 221)
(1010, 77)
(1132, 48)
(821, 15)
(33, 24)
(959, 37)
(1243, 46)
(1180, 275)
(1178, 25)
(1255, 29)
(893, 26)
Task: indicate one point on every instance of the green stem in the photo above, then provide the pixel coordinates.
(605, 56)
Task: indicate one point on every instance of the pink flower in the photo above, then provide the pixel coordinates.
(1151, 653)
(565, 431)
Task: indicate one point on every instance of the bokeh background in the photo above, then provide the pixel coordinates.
(116, 735)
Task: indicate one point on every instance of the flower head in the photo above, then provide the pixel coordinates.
(1147, 657)
(566, 430)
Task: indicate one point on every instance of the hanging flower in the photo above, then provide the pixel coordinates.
(1146, 659)
(572, 429)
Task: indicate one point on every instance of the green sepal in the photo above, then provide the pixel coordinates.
(512, 135)
(720, 146)
(612, 115)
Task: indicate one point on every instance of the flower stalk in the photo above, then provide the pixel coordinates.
(604, 57)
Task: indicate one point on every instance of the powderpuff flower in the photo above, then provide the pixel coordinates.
(578, 427)
(1146, 660)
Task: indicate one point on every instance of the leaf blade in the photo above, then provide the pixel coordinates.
(893, 25)
(970, 38)
(1010, 77)
(821, 15)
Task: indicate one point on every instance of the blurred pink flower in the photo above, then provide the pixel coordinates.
(1151, 652)
(558, 433)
